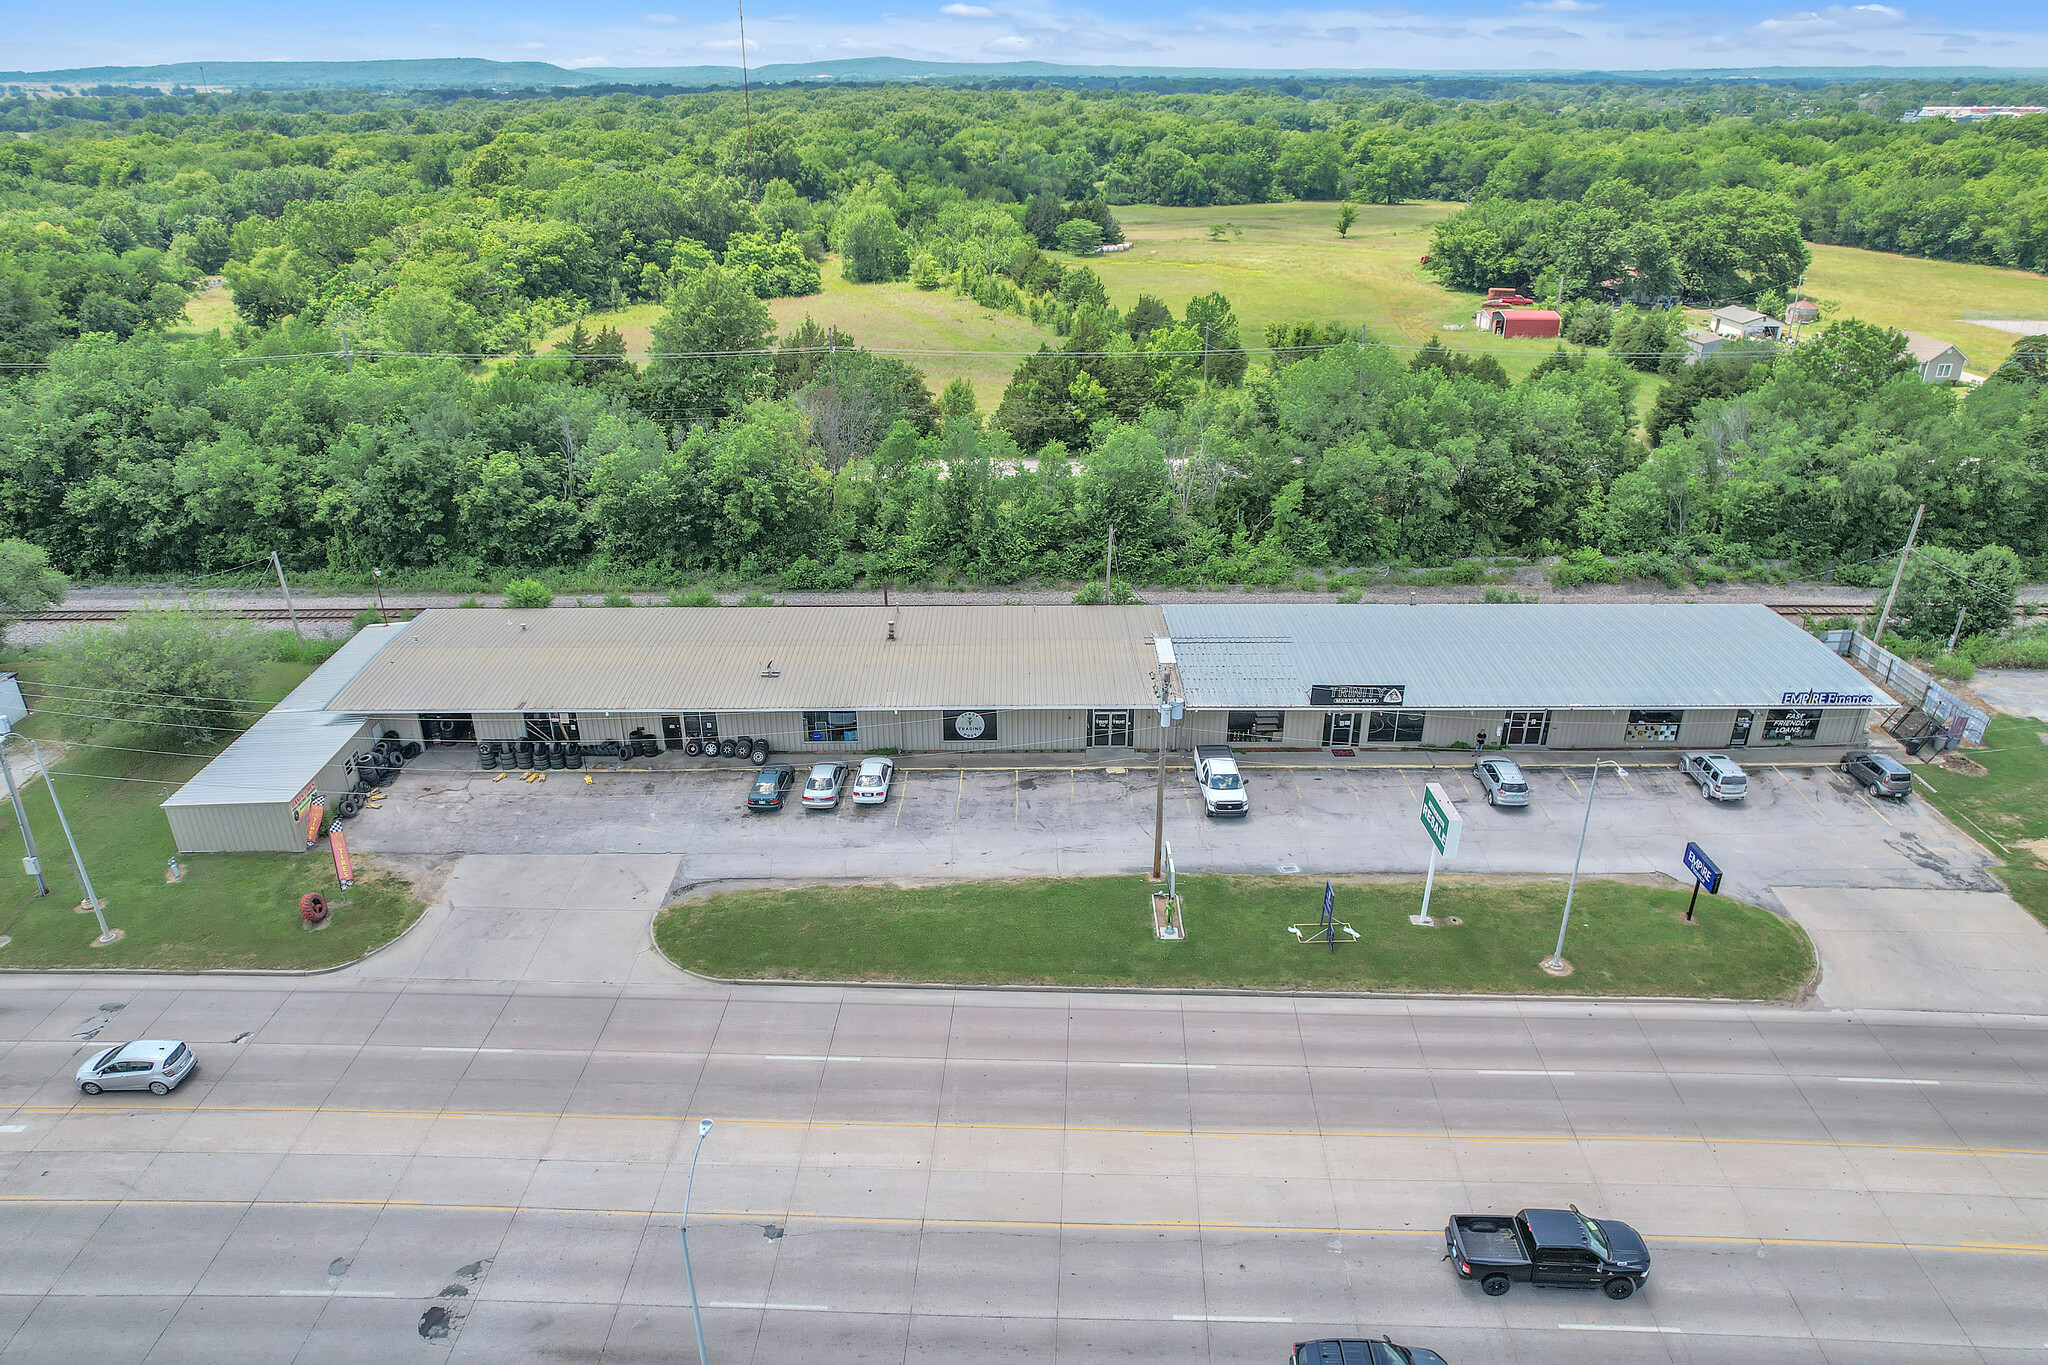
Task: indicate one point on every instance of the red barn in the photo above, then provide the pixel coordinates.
(1520, 322)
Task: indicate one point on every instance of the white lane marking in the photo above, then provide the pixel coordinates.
(1525, 1073)
(798, 1057)
(1166, 1066)
(13, 1128)
(506, 1051)
(1224, 1317)
(771, 1307)
(339, 1293)
(1616, 1327)
(1882, 1080)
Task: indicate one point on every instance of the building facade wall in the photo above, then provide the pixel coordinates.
(1592, 728)
(255, 827)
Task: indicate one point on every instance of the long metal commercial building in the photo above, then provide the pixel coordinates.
(958, 679)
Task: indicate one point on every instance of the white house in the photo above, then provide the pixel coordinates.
(1937, 361)
(1737, 321)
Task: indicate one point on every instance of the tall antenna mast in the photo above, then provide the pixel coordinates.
(746, 92)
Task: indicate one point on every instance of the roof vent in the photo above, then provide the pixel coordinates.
(892, 626)
(768, 670)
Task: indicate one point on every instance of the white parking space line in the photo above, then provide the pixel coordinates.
(338, 1293)
(13, 1128)
(1167, 1066)
(1617, 1327)
(770, 1307)
(1882, 1080)
(506, 1051)
(805, 1057)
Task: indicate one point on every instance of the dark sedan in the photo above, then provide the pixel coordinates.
(1350, 1352)
(771, 785)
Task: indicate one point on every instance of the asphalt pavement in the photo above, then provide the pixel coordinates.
(969, 1176)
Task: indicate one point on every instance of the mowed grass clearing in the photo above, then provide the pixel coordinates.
(1930, 297)
(2007, 807)
(231, 911)
(1625, 939)
(209, 310)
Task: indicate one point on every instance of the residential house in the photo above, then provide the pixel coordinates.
(1937, 361)
(1737, 321)
(1700, 343)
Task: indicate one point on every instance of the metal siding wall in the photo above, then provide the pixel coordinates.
(1708, 729)
(1445, 728)
(1303, 730)
(1587, 729)
(1842, 725)
(338, 776)
(258, 828)
(1203, 727)
(408, 728)
(501, 726)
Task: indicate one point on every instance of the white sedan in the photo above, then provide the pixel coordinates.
(871, 783)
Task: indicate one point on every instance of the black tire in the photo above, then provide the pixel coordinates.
(159, 1088)
(575, 755)
(411, 750)
(743, 746)
(693, 747)
(759, 753)
(88, 1087)
(1619, 1289)
(1493, 799)
(349, 805)
(728, 748)
(1495, 1285)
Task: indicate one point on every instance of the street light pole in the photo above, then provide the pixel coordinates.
(28, 838)
(106, 935)
(1555, 963)
(696, 1313)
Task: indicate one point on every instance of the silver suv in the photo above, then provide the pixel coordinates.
(1883, 774)
(152, 1064)
(1503, 782)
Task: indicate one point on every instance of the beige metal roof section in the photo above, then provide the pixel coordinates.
(641, 659)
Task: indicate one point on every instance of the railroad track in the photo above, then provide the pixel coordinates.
(70, 616)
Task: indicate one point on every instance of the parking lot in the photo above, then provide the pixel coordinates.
(1800, 826)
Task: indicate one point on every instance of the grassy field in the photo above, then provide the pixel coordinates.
(209, 310)
(958, 335)
(2008, 806)
(229, 911)
(1625, 939)
(1930, 297)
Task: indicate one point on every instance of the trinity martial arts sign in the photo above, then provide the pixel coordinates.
(1355, 694)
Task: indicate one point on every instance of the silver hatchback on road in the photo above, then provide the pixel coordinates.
(1502, 781)
(152, 1064)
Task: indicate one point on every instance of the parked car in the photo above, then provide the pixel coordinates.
(1223, 790)
(1718, 775)
(1349, 1351)
(1502, 781)
(1557, 1248)
(871, 783)
(152, 1064)
(1883, 774)
(771, 785)
(822, 787)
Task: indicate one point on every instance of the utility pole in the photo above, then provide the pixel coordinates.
(1957, 633)
(1166, 709)
(1898, 574)
(28, 838)
(346, 354)
(91, 898)
(377, 577)
(1108, 564)
(290, 610)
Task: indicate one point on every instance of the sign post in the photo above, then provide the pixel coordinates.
(1704, 874)
(1440, 819)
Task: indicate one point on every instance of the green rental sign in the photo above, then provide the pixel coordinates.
(1441, 819)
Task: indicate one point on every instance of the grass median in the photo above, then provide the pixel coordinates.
(1625, 939)
(2006, 807)
(232, 911)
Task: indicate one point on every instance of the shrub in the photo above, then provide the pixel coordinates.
(696, 597)
(528, 592)
(617, 599)
(1120, 594)
(756, 599)
(185, 673)
(27, 582)
(1584, 565)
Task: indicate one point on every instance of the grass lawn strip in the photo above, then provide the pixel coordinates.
(1625, 939)
(2008, 805)
(231, 911)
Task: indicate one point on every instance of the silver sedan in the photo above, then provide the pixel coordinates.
(152, 1064)
(822, 788)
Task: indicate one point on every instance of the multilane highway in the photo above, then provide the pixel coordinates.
(983, 1176)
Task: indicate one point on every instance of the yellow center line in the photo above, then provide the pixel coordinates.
(102, 1110)
(958, 792)
(798, 1216)
(1576, 789)
(1802, 795)
(902, 783)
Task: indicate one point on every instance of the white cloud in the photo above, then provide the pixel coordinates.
(959, 11)
(1546, 32)
(1563, 6)
(658, 18)
(1832, 20)
(1010, 43)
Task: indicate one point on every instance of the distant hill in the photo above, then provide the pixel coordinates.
(476, 73)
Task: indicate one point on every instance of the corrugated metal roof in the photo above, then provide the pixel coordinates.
(641, 659)
(1485, 656)
(286, 748)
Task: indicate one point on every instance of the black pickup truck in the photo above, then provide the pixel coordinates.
(1560, 1248)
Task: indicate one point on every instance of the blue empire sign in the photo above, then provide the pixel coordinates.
(1705, 874)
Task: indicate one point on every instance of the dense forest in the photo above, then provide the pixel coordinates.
(387, 396)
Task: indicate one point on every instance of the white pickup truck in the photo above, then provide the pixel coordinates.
(1717, 774)
(1222, 785)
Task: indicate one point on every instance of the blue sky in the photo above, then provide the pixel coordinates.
(1427, 34)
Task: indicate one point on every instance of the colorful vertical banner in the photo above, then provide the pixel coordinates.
(344, 870)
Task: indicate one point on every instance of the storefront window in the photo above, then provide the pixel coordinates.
(1781, 726)
(1395, 727)
(1653, 727)
(1256, 727)
(831, 726)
